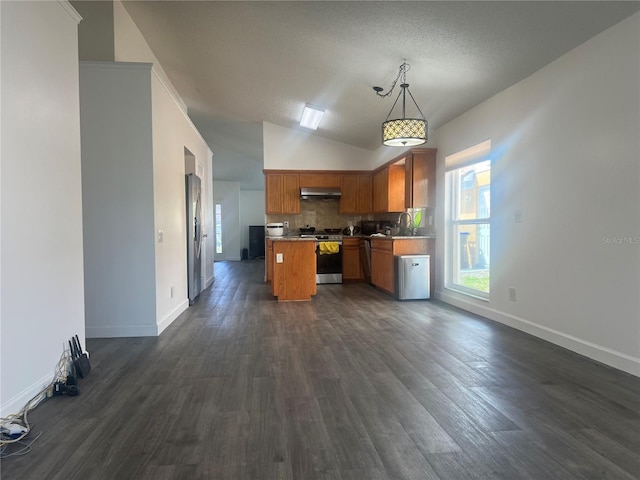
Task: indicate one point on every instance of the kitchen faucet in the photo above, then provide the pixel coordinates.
(409, 220)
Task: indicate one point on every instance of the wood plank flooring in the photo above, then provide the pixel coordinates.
(352, 385)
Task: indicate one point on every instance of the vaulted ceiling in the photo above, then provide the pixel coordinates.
(237, 64)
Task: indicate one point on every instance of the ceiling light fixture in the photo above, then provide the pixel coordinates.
(403, 132)
(311, 117)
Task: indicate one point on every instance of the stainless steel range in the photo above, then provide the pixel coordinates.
(328, 258)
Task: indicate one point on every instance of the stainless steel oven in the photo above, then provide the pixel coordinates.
(328, 258)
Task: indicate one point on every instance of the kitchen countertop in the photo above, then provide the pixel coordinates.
(404, 237)
(292, 238)
(295, 238)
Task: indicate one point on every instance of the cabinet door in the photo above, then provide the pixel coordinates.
(396, 189)
(382, 268)
(380, 191)
(349, 198)
(388, 190)
(351, 265)
(290, 193)
(320, 180)
(273, 192)
(365, 194)
(423, 180)
(269, 260)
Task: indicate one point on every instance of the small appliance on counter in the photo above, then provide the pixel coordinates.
(275, 229)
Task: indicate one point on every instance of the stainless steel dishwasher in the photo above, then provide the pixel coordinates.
(412, 277)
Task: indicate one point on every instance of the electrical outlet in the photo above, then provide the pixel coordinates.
(512, 294)
(279, 258)
(160, 236)
(286, 224)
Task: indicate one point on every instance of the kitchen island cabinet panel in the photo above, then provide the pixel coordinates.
(294, 278)
(269, 259)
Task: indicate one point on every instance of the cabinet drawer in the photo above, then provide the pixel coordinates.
(381, 244)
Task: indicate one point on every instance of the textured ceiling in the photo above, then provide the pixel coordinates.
(237, 64)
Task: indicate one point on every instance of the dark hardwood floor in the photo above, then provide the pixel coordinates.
(352, 385)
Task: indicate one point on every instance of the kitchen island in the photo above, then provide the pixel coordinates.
(291, 267)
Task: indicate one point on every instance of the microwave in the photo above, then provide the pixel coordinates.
(367, 227)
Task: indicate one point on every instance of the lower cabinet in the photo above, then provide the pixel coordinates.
(269, 260)
(382, 263)
(351, 264)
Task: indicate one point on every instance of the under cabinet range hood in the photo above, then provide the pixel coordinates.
(307, 193)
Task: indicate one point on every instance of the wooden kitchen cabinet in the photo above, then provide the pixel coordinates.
(420, 176)
(382, 263)
(269, 259)
(382, 270)
(388, 189)
(320, 180)
(357, 194)
(351, 264)
(282, 192)
(365, 193)
(294, 277)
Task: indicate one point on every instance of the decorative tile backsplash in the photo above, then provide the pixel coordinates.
(321, 214)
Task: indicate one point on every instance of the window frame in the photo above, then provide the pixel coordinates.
(454, 164)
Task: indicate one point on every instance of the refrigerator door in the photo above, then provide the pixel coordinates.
(412, 277)
(194, 236)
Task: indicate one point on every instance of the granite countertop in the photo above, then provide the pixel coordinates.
(295, 238)
(291, 238)
(404, 237)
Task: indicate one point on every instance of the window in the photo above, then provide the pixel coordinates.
(468, 233)
(218, 228)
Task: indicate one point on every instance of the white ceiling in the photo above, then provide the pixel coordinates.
(237, 64)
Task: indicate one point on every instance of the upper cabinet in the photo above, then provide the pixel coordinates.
(420, 175)
(388, 189)
(357, 194)
(282, 193)
(320, 180)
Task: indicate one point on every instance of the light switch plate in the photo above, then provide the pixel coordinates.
(160, 236)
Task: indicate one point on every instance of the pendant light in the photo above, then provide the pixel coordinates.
(403, 132)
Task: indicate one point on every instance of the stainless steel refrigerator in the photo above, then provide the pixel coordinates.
(194, 236)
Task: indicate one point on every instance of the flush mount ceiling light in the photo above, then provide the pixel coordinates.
(403, 132)
(311, 117)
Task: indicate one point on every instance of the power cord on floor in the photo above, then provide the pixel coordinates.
(15, 427)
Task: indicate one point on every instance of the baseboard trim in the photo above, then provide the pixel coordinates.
(169, 319)
(15, 404)
(601, 354)
(116, 331)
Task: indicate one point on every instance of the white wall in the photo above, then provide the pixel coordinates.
(252, 207)
(118, 199)
(228, 195)
(41, 221)
(172, 132)
(287, 149)
(566, 152)
(130, 46)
